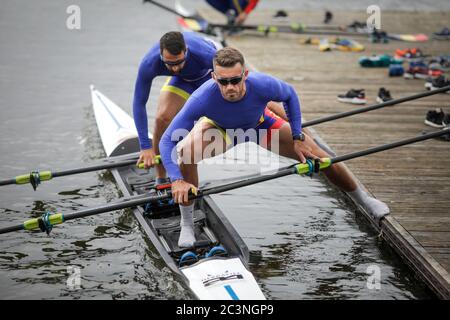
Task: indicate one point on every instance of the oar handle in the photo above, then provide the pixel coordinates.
(156, 160)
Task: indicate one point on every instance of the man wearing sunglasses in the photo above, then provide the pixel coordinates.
(236, 11)
(234, 99)
(187, 58)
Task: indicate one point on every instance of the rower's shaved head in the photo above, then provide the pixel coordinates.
(228, 57)
(173, 42)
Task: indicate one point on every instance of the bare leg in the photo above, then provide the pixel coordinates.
(203, 135)
(278, 109)
(338, 174)
(169, 105)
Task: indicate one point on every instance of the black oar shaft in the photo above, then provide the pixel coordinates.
(127, 203)
(47, 175)
(374, 107)
(243, 183)
(101, 166)
(7, 182)
(390, 146)
(162, 6)
(282, 29)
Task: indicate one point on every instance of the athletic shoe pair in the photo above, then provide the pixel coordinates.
(358, 96)
(420, 70)
(421, 73)
(375, 61)
(437, 118)
(439, 82)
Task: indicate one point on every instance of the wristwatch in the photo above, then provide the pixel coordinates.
(300, 136)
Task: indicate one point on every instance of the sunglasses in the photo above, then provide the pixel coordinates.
(172, 63)
(233, 81)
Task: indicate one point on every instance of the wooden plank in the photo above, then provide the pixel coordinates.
(425, 223)
(432, 239)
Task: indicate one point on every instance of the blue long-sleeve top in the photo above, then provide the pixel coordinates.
(243, 114)
(199, 64)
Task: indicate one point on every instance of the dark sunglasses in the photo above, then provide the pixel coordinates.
(173, 63)
(233, 81)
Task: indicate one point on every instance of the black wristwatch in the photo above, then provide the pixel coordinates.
(300, 136)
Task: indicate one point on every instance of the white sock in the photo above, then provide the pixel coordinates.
(376, 208)
(187, 235)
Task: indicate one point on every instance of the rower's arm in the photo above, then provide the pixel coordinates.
(141, 93)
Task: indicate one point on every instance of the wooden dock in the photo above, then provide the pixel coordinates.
(413, 180)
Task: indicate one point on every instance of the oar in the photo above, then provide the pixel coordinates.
(36, 177)
(374, 107)
(162, 6)
(47, 221)
(295, 28)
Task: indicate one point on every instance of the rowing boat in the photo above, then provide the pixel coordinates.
(217, 268)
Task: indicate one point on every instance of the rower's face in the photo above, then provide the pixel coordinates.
(231, 81)
(173, 62)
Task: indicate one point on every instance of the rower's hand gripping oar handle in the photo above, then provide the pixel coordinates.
(156, 160)
(312, 166)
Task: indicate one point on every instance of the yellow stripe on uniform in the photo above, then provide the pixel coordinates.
(173, 89)
(224, 134)
(237, 6)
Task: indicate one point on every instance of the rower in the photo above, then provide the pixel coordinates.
(187, 58)
(234, 99)
(236, 11)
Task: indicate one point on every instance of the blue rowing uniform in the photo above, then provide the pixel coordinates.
(197, 69)
(247, 113)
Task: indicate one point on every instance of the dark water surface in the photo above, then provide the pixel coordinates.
(305, 242)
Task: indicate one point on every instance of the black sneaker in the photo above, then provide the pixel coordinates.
(383, 95)
(438, 83)
(353, 96)
(446, 120)
(445, 137)
(328, 17)
(428, 82)
(281, 14)
(356, 25)
(434, 118)
(444, 34)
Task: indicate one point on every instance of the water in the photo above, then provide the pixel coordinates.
(305, 242)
